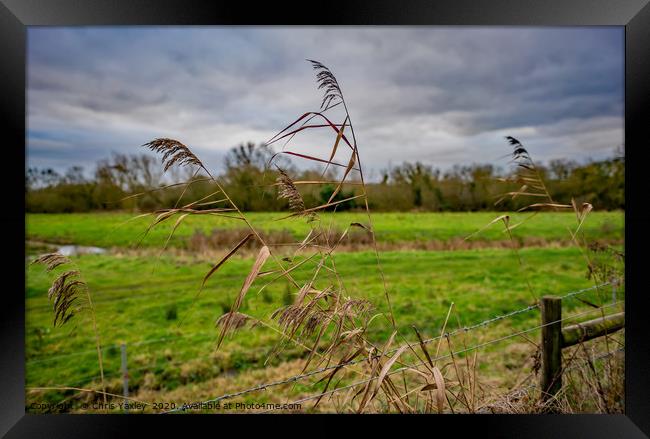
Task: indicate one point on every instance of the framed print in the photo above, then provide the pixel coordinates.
(411, 213)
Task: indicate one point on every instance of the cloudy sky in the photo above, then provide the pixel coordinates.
(440, 95)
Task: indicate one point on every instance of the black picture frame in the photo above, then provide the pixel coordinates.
(16, 15)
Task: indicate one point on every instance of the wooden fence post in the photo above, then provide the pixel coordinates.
(125, 379)
(551, 379)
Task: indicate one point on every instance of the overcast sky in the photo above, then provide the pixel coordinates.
(440, 95)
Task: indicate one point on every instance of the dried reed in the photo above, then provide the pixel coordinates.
(69, 288)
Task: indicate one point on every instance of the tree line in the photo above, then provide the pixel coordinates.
(134, 182)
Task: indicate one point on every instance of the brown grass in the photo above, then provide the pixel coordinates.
(358, 240)
(69, 288)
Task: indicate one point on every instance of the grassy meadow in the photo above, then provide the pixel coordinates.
(108, 229)
(147, 300)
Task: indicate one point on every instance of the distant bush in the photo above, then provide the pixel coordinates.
(172, 313)
(127, 182)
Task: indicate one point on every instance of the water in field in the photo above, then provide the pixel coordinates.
(74, 250)
(35, 248)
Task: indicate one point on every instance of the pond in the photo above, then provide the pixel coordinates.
(74, 250)
(34, 248)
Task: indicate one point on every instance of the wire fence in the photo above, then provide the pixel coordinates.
(295, 378)
(513, 393)
(441, 357)
(317, 371)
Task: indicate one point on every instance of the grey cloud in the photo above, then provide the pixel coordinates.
(438, 94)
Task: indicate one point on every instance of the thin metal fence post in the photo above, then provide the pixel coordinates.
(125, 379)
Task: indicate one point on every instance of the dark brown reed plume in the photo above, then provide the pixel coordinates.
(70, 296)
(327, 81)
(174, 152)
(65, 290)
(51, 260)
(289, 192)
(528, 176)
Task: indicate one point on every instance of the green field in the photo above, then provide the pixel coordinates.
(115, 229)
(146, 302)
